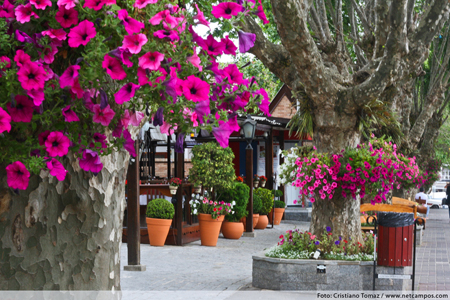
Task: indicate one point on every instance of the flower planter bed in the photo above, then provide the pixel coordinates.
(301, 274)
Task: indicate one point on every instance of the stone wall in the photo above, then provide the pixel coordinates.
(301, 274)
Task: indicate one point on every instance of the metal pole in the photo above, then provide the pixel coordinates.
(249, 180)
(374, 248)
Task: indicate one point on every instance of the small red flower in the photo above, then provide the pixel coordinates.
(215, 209)
(281, 236)
(345, 241)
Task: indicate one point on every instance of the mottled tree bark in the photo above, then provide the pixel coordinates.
(64, 235)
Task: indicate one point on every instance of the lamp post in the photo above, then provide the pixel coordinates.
(249, 127)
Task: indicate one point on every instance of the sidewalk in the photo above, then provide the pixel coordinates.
(228, 267)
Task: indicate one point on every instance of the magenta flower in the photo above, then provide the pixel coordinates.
(202, 109)
(69, 76)
(195, 60)
(7, 10)
(113, 68)
(158, 119)
(67, 17)
(151, 60)
(49, 54)
(5, 121)
(23, 37)
(167, 33)
(69, 114)
(213, 47)
(126, 93)
(98, 4)
(91, 162)
(230, 47)
(22, 111)
(195, 89)
(58, 34)
(226, 10)
(24, 13)
(260, 13)
(81, 34)
(103, 116)
(37, 96)
(124, 55)
(143, 3)
(99, 138)
(264, 105)
(134, 43)
(41, 4)
(143, 76)
(17, 176)
(57, 144)
(76, 89)
(165, 17)
(129, 143)
(68, 4)
(200, 17)
(233, 74)
(246, 41)
(21, 58)
(136, 118)
(222, 134)
(56, 169)
(131, 25)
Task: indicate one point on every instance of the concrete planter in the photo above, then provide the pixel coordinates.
(301, 274)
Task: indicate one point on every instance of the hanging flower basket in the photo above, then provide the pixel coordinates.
(173, 189)
(255, 184)
(263, 183)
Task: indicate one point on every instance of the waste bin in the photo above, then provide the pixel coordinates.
(395, 239)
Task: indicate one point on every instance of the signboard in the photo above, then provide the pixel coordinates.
(321, 269)
(391, 276)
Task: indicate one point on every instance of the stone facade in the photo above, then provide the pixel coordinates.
(295, 274)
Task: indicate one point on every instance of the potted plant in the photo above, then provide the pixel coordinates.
(174, 183)
(210, 217)
(267, 204)
(255, 181)
(263, 180)
(257, 205)
(238, 195)
(279, 207)
(159, 214)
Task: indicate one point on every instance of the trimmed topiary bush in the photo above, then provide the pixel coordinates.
(257, 203)
(280, 204)
(266, 200)
(239, 193)
(160, 209)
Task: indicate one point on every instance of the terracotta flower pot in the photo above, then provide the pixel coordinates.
(232, 230)
(263, 221)
(209, 229)
(278, 215)
(158, 229)
(255, 221)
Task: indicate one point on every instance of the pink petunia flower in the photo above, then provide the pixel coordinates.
(151, 60)
(41, 4)
(67, 17)
(233, 74)
(103, 116)
(56, 169)
(124, 55)
(126, 93)
(213, 47)
(68, 4)
(69, 76)
(131, 25)
(230, 47)
(24, 13)
(113, 67)
(81, 34)
(7, 10)
(22, 110)
(246, 41)
(69, 114)
(21, 58)
(165, 17)
(99, 138)
(195, 60)
(195, 89)
(91, 162)
(200, 17)
(98, 4)
(170, 35)
(129, 144)
(5, 121)
(134, 43)
(58, 34)
(17, 176)
(226, 10)
(136, 118)
(31, 76)
(38, 96)
(143, 3)
(57, 144)
(49, 54)
(76, 89)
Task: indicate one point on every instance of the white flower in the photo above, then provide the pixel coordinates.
(190, 202)
(233, 203)
(232, 212)
(195, 211)
(198, 196)
(193, 195)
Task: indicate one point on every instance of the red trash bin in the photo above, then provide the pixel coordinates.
(395, 239)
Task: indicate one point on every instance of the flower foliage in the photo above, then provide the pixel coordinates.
(371, 169)
(175, 181)
(238, 196)
(73, 70)
(201, 205)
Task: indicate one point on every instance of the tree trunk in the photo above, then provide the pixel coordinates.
(64, 235)
(340, 214)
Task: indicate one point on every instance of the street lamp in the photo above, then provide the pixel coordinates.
(249, 126)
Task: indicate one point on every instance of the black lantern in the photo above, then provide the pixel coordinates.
(249, 127)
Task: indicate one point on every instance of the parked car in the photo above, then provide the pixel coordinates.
(436, 195)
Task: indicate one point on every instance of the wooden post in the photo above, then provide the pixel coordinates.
(249, 180)
(169, 163)
(133, 222)
(281, 161)
(269, 160)
(179, 169)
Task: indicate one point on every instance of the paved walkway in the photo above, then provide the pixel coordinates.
(228, 267)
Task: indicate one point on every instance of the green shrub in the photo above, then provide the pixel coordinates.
(160, 209)
(279, 204)
(277, 193)
(239, 193)
(266, 200)
(257, 203)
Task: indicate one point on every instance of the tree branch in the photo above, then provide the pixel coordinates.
(429, 24)
(321, 9)
(381, 13)
(362, 17)
(332, 12)
(318, 24)
(410, 15)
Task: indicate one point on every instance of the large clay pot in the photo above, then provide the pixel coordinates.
(158, 229)
(232, 230)
(209, 229)
(278, 215)
(255, 221)
(263, 221)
